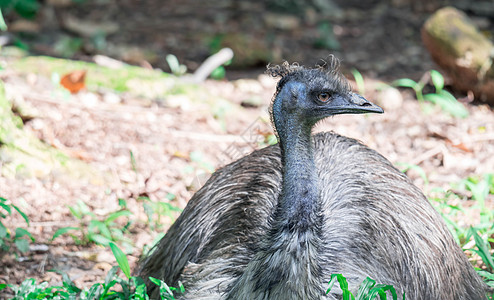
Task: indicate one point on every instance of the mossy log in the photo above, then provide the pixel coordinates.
(462, 51)
(23, 155)
(136, 81)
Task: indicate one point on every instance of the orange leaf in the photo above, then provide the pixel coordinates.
(462, 146)
(74, 81)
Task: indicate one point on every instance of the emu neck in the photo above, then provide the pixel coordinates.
(287, 264)
(298, 200)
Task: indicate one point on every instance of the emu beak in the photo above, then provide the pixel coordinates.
(353, 103)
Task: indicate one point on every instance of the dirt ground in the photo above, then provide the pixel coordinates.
(381, 41)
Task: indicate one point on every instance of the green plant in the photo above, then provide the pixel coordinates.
(198, 165)
(267, 139)
(29, 289)
(220, 72)
(133, 287)
(326, 38)
(484, 251)
(176, 68)
(25, 8)
(67, 46)
(442, 200)
(159, 209)
(359, 80)
(220, 110)
(101, 231)
(3, 25)
(405, 167)
(166, 292)
(130, 288)
(367, 290)
(409, 83)
(215, 43)
(479, 238)
(133, 163)
(441, 97)
(480, 188)
(21, 236)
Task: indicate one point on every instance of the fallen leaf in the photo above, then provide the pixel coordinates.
(180, 154)
(462, 146)
(74, 81)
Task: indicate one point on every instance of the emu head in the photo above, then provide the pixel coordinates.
(305, 96)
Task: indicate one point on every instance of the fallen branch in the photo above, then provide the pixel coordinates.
(209, 65)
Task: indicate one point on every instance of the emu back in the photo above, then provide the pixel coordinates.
(375, 223)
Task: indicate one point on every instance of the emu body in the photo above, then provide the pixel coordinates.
(277, 223)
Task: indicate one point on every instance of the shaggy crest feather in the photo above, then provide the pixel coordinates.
(326, 73)
(328, 70)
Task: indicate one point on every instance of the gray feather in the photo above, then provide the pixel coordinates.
(277, 223)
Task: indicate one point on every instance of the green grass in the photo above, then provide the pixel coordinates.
(359, 81)
(20, 237)
(367, 290)
(176, 68)
(99, 230)
(463, 200)
(156, 210)
(113, 286)
(3, 25)
(442, 98)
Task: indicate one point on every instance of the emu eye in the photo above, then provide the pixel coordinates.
(324, 97)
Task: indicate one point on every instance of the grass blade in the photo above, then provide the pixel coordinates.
(122, 261)
(347, 295)
(359, 80)
(483, 251)
(364, 288)
(63, 230)
(3, 25)
(405, 82)
(24, 216)
(437, 80)
(117, 214)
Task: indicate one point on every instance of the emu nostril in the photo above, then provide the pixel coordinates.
(366, 104)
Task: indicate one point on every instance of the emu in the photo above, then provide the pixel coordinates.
(277, 223)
